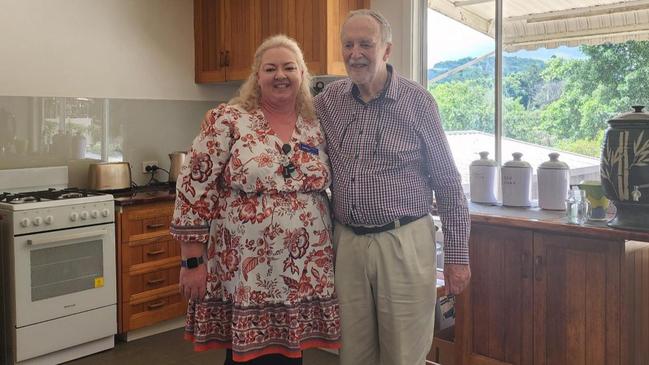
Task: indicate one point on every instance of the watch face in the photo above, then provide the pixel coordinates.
(192, 262)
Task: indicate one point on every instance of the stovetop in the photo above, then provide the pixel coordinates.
(46, 195)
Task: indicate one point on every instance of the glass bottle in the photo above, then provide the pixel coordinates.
(577, 206)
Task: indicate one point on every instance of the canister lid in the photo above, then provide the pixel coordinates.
(484, 160)
(517, 162)
(554, 163)
(636, 118)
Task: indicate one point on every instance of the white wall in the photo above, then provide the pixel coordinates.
(130, 49)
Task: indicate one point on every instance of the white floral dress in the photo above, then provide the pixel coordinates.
(270, 285)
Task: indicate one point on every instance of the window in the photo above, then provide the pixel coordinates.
(567, 69)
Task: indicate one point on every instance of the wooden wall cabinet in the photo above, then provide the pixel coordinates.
(227, 33)
(148, 262)
(552, 298)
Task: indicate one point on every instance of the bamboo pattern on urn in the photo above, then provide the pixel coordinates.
(615, 165)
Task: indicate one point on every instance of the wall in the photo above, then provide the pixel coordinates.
(128, 49)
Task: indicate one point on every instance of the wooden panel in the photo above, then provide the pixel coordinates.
(571, 297)
(208, 41)
(635, 315)
(140, 282)
(311, 16)
(496, 308)
(141, 251)
(242, 36)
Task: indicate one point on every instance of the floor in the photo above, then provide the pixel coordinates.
(169, 348)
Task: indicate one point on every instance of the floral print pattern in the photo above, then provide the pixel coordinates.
(270, 285)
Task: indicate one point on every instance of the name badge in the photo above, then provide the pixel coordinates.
(309, 149)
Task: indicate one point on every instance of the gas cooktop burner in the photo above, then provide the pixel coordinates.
(49, 194)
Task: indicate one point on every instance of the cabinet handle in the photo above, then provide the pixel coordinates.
(538, 269)
(155, 281)
(153, 253)
(154, 225)
(525, 265)
(156, 305)
(221, 59)
(227, 58)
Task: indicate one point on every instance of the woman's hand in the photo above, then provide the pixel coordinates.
(193, 282)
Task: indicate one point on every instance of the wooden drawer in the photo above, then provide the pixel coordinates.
(139, 282)
(141, 222)
(166, 303)
(155, 247)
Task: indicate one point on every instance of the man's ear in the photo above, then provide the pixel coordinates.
(388, 50)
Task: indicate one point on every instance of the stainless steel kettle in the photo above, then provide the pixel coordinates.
(177, 159)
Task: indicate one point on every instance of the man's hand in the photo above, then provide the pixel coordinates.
(193, 282)
(456, 278)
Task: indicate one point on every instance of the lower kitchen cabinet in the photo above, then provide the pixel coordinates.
(148, 262)
(542, 297)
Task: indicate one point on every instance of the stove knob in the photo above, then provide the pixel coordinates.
(49, 219)
(24, 222)
(104, 213)
(37, 221)
(84, 215)
(74, 216)
(94, 213)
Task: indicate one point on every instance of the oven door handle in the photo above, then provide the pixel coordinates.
(66, 237)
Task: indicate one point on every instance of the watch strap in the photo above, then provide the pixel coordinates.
(192, 262)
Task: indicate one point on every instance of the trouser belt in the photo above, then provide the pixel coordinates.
(386, 227)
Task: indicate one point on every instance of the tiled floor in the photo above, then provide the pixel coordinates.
(170, 349)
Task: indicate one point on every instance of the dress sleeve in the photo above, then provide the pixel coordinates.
(197, 186)
(447, 184)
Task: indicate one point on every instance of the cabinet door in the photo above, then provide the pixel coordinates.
(495, 313)
(209, 41)
(242, 36)
(576, 305)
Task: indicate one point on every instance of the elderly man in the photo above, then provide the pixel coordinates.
(388, 153)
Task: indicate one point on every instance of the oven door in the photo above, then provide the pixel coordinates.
(63, 272)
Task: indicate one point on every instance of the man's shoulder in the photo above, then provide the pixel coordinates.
(407, 86)
(335, 88)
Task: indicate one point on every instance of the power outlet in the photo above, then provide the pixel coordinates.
(149, 164)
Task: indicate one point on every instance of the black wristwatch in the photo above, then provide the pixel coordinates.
(192, 262)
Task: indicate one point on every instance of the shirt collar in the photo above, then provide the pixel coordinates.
(389, 92)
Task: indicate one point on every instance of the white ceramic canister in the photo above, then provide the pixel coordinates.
(517, 182)
(482, 179)
(554, 183)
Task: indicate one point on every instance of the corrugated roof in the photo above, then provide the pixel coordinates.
(531, 24)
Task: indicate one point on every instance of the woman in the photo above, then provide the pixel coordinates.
(254, 222)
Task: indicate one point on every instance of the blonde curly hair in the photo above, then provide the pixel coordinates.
(249, 94)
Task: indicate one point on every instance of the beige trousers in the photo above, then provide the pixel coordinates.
(386, 289)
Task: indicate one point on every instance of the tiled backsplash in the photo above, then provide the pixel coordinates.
(47, 131)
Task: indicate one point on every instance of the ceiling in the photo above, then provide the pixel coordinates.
(531, 24)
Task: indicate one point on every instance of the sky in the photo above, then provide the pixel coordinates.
(450, 40)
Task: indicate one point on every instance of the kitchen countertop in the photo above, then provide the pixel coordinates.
(539, 219)
(145, 195)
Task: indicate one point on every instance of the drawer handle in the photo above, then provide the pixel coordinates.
(153, 253)
(155, 281)
(154, 225)
(156, 305)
